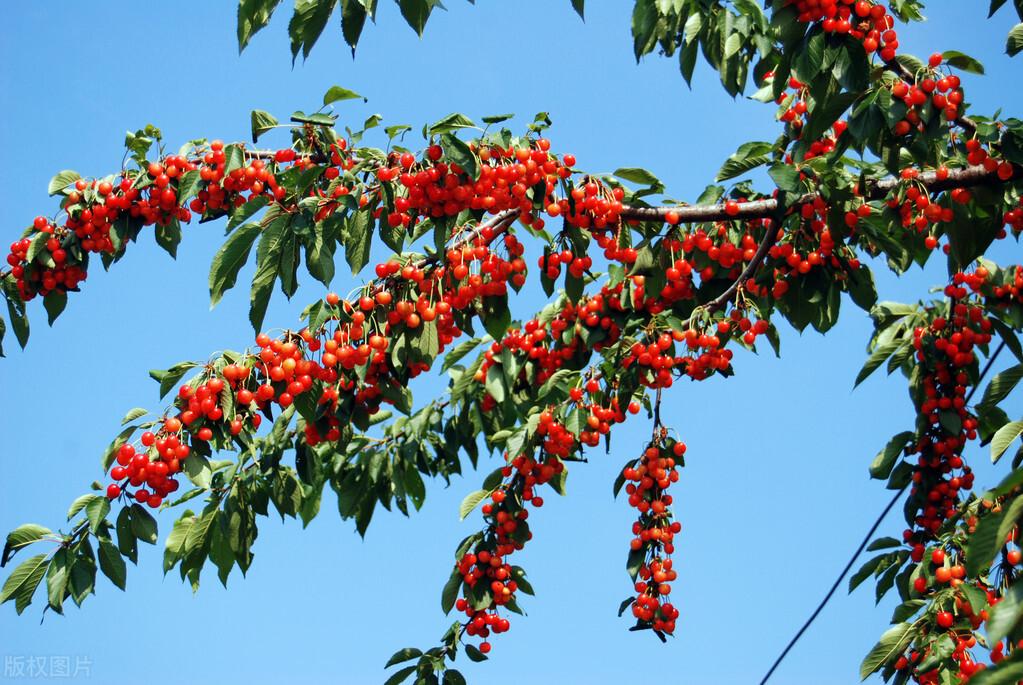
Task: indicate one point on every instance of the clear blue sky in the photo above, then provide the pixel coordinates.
(776, 491)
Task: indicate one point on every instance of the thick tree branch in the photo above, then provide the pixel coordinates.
(966, 177)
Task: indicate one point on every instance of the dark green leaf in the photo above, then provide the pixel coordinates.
(111, 563)
(253, 15)
(261, 123)
(358, 240)
(230, 259)
(268, 255)
(54, 302)
(403, 655)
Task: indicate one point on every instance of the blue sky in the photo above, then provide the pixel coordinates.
(775, 494)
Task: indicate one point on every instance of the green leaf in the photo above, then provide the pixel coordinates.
(785, 176)
(494, 383)
(62, 180)
(471, 501)
(23, 581)
(199, 533)
(307, 23)
(169, 237)
(865, 571)
(884, 462)
(453, 677)
(80, 503)
(883, 543)
(358, 240)
(19, 319)
(54, 302)
(20, 537)
(169, 378)
(143, 525)
(989, 537)
(188, 186)
(268, 256)
(174, 547)
(451, 122)
(57, 578)
(450, 592)
(1001, 385)
(474, 654)
(1014, 44)
(197, 468)
(458, 353)
(136, 413)
(253, 15)
(400, 676)
(497, 118)
(246, 211)
(337, 94)
(579, 7)
(1005, 436)
(749, 156)
(126, 542)
(878, 357)
(458, 152)
(261, 123)
(111, 563)
(892, 643)
(229, 260)
(1006, 614)
(417, 13)
(1007, 672)
(638, 176)
(403, 655)
(963, 62)
(353, 19)
(96, 511)
(320, 255)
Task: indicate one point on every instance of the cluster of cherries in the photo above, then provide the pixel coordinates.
(507, 531)
(945, 351)
(508, 179)
(1010, 290)
(152, 467)
(865, 21)
(917, 210)
(942, 92)
(654, 531)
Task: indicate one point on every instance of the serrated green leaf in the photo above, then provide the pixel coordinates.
(1004, 437)
(23, 581)
(892, 643)
(62, 180)
(471, 501)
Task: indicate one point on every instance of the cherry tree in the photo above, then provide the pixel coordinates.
(879, 163)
